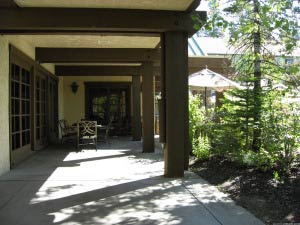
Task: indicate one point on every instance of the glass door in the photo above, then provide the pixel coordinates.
(20, 126)
(108, 103)
(41, 111)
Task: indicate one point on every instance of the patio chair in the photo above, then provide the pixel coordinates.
(86, 133)
(67, 132)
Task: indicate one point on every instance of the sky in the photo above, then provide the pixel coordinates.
(203, 6)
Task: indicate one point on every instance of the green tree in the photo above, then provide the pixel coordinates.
(255, 29)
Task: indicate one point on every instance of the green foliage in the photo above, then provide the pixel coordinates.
(225, 140)
(198, 117)
(276, 176)
(231, 135)
(253, 26)
(195, 117)
(262, 160)
(258, 125)
(201, 147)
(281, 128)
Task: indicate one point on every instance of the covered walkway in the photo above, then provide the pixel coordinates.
(115, 185)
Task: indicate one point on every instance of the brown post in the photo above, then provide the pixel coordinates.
(185, 97)
(176, 87)
(162, 109)
(148, 107)
(136, 108)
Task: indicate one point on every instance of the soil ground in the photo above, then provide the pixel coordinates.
(270, 200)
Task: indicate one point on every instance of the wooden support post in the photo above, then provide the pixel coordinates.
(148, 107)
(176, 87)
(162, 109)
(185, 98)
(136, 108)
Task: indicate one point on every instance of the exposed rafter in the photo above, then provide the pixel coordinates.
(94, 20)
(94, 55)
(97, 70)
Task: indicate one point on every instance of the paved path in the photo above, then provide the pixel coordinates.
(114, 185)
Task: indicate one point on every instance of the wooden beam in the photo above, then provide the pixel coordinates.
(8, 4)
(97, 70)
(193, 6)
(93, 55)
(96, 20)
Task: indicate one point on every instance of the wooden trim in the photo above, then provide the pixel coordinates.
(42, 142)
(89, 33)
(20, 57)
(97, 70)
(33, 108)
(27, 62)
(21, 60)
(94, 55)
(95, 20)
(42, 70)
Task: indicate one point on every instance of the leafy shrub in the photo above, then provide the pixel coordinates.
(231, 136)
(261, 160)
(201, 148)
(199, 118)
(281, 129)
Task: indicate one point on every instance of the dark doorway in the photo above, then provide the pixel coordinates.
(107, 102)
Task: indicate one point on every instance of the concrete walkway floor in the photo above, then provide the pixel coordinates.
(115, 185)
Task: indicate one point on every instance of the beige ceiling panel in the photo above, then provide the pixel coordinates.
(91, 41)
(178, 5)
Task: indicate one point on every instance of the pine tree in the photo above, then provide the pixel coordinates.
(255, 28)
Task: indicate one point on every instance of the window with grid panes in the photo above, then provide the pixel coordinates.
(20, 107)
(41, 108)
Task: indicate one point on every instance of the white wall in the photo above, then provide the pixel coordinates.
(4, 93)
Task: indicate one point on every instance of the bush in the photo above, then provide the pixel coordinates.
(198, 133)
(281, 130)
(231, 137)
(201, 148)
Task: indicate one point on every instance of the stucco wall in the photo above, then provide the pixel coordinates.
(4, 110)
(4, 93)
(73, 107)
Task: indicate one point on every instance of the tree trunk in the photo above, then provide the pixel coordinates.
(257, 90)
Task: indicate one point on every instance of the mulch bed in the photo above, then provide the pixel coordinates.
(270, 200)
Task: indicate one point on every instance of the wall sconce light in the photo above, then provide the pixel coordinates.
(74, 87)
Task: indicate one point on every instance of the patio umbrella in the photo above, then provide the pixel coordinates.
(208, 79)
